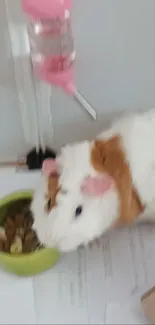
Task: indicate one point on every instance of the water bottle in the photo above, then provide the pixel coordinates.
(52, 46)
(50, 37)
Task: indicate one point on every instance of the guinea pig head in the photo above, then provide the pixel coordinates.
(92, 193)
(78, 216)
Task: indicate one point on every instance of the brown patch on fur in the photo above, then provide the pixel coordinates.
(108, 156)
(53, 189)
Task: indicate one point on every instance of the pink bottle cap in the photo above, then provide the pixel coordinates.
(46, 8)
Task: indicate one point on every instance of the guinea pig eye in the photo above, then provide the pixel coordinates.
(78, 211)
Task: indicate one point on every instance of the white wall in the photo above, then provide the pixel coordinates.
(11, 136)
(115, 69)
(16, 85)
(115, 66)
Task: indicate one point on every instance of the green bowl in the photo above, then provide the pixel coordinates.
(25, 264)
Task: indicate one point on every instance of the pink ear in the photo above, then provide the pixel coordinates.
(97, 186)
(49, 166)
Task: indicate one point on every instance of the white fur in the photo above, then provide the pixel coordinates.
(60, 228)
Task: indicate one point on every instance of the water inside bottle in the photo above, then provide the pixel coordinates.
(51, 44)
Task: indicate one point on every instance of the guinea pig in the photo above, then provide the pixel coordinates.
(93, 186)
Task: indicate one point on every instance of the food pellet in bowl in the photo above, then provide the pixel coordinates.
(2, 234)
(19, 220)
(9, 227)
(6, 246)
(16, 233)
(20, 232)
(17, 246)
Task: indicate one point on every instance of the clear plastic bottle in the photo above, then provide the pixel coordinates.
(52, 47)
(50, 36)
